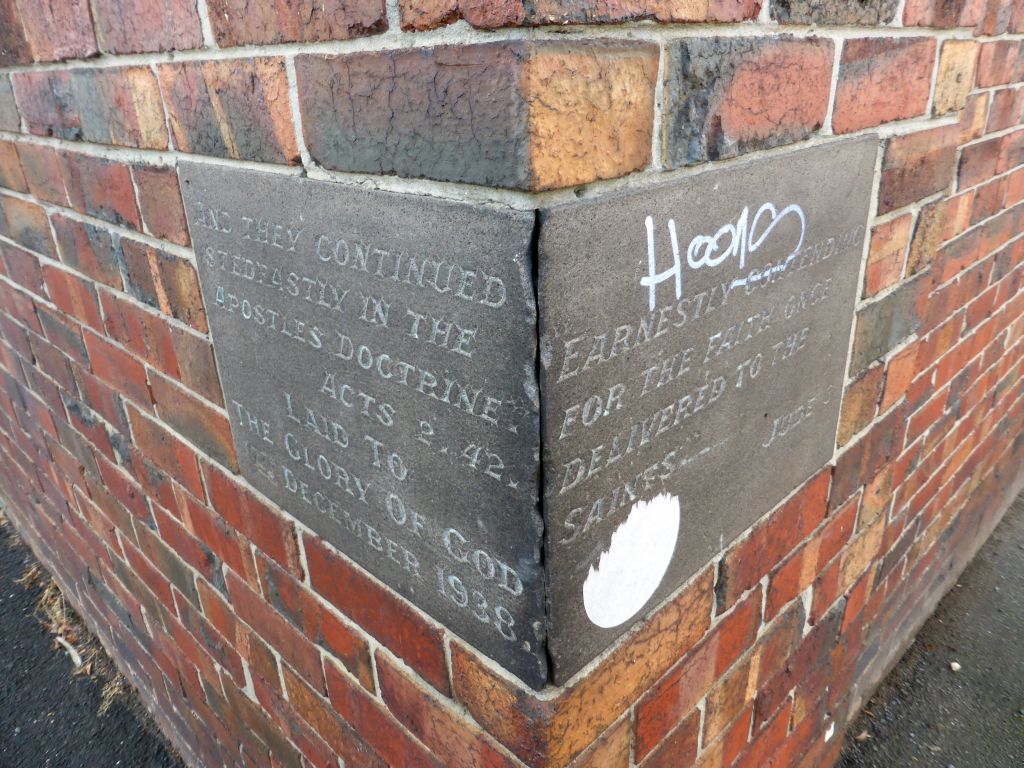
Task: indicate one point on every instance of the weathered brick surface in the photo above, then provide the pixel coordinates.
(882, 79)
(119, 106)
(955, 78)
(59, 29)
(727, 96)
(430, 14)
(117, 463)
(859, 12)
(135, 26)
(236, 109)
(533, 116)
(264, 22)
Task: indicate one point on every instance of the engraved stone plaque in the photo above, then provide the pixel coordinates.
(693, 341)
(378, 358)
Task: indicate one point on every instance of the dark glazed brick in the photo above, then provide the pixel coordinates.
(885, 323)
(866, 13)
(728, 96)
(445, 113)
(237, 109)
(9, 118)
(266, 22)
(138, 26)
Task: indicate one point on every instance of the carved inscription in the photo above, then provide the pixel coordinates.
(377, 355)
(694, 341)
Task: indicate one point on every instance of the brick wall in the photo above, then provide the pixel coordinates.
(253, 641)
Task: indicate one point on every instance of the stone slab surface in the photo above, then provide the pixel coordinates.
(377, 353)
(682, 404)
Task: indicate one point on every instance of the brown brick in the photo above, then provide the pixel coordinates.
(11, 175)
(915, 166)
(163, 211)
(978, 163)
(101, 188)
(860, 403)
(882, 79)
(164, 281)
(955, 79)
(611, 750)
(727, 96)
(928, 234)
(679, 747)
(59, 29)
(112, 105)
(972, 118)
(902, 370)
(43, 173)
(867, 13)
(887, 254)
(25, 223)
(138, 26)
(266, 22)
(10, 120)
(237, 109)
(23, 268)
(544, 114)
(91, 250)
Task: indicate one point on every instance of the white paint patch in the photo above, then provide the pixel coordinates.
(830, 731)
(628, 574)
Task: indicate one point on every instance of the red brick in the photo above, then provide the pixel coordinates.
(74, 296)
(881, 80)
(265, 527)
(675, 695)
(727, 96)
(23, 268)
(10, 120)
(399, 627)
(299, 606)
(1007, 109)
(11, 175)
(294, 648)
(978, 163)
(59, 29)
(207, 428)
(265, 22)
(164, 281)
(139, 26)
(611, 750)
(455, 743)
(25, 223)
(166, 451)
(972, 117)
(679, 748)
(215, 535)
(1000, 62)
(887, 254)
(745, 564)
(144, 333)
(160, 202)
(915, 166)
(737, 630)
(101, 188)
(237, 109)
(902, 369)
(43, 173)
(375, 724)
(91, 250)
(14, 47)
(728, 698)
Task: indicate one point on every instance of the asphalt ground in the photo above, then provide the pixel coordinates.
(925, 713)
(49, 715)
